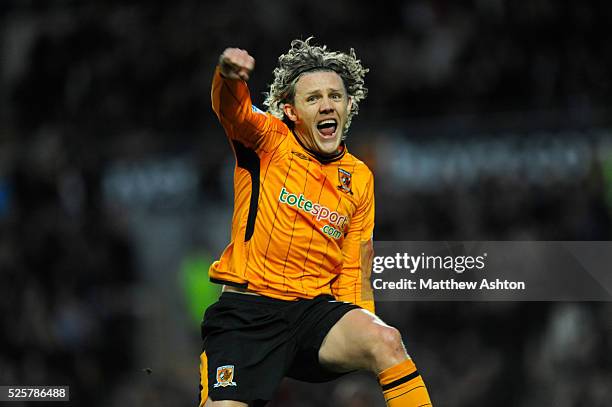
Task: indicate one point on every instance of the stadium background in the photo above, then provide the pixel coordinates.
(486, 120)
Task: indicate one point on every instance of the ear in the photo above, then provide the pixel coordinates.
(289, 111)
(349, 104)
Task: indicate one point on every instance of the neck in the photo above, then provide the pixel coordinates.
(323, 158)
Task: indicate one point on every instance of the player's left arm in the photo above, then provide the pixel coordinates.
(353, 283)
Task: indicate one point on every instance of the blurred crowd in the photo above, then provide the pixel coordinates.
(102, 104)
(107, 68)
(67, 272)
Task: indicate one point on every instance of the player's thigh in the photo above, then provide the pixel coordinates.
(351, 342)
(224, 403)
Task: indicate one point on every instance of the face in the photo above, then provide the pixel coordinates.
(319, 111)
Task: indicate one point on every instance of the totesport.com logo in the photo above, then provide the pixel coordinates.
(319, 211)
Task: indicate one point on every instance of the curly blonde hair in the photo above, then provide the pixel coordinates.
(304, 57)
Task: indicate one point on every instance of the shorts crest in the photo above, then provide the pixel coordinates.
(225, 376)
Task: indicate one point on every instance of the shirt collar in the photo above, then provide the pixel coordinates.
(324, 159)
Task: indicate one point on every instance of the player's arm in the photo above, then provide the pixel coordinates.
(353, 283)
(231, 101)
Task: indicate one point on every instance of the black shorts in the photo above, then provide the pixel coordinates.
(252, 342)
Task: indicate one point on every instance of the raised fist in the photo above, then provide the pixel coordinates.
(236, 63)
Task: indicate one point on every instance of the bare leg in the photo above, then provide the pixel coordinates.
(224, 403)
(361, 340)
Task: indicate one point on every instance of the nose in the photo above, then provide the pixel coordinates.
(326, 106)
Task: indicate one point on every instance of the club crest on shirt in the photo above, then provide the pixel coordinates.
(344, 177)
(225, 376)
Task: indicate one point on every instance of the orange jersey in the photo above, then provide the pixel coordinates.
(302, 225)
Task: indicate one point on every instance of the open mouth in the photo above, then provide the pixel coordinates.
(327, 128)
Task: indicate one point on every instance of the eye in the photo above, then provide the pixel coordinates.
(311, 98)
(336, 96)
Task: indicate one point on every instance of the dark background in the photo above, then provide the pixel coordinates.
(486, 120)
